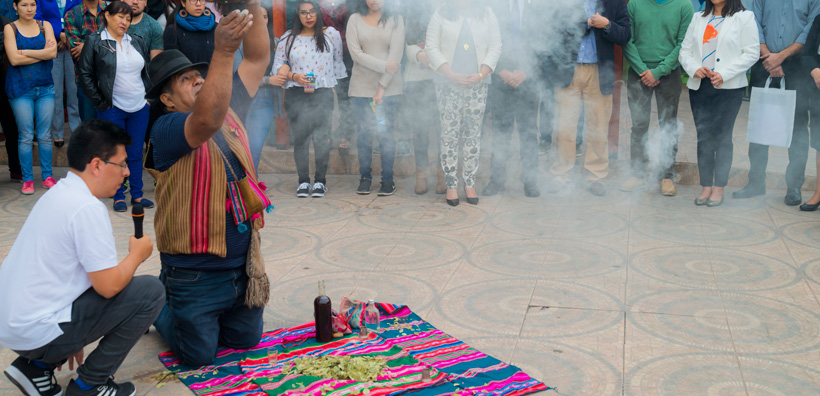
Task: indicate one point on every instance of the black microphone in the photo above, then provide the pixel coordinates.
(137, 213)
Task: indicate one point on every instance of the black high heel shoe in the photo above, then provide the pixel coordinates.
(807, 207)
(452, 202)
(471, 201)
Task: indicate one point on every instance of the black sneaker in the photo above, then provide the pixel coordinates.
(319, 190)
(303, 191)
(32, 380)
(388, 188)
(364, 187)
(109, 388)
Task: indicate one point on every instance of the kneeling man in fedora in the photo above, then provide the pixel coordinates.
(214, 277)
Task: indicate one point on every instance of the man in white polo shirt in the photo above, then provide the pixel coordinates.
(61, 285)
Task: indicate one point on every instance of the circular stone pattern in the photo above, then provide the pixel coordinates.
(546, 259)
(812, 271)
(569, 369)
(302, 213)
(805, 233)
(282, 243)
(292, 299)
(421, 217)
(759, 325)
(718, 375)
(391, 251)
(500, 306)
(687, 230)
(562, 222)
(733, 270)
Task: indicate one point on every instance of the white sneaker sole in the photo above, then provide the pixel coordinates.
(302, 195)
(318, 195)
(21, 381)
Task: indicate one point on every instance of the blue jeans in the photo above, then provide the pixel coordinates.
(135, 124)
(266, 105)
(63, 75)
(366, 125)
(86, 106)
(206, 309)
(35, 107)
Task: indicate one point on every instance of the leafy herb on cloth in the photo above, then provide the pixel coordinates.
(356, 368)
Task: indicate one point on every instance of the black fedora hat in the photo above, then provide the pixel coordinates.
(164, 66)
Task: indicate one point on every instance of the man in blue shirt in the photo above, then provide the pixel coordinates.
(584, 77)
(784, 27)
(208, 269)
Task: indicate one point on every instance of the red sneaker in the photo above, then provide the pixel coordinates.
(49, 182)
(28, 187)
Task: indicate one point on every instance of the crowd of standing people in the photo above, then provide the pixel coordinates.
(433, 70)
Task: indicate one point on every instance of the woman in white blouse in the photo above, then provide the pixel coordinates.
(721, 44)
(310, 57)
(463, 46)
(375, 39)
(112, 74)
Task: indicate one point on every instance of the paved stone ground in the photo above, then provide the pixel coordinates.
(629, 294)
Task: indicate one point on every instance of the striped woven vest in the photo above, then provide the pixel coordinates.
(191, 194)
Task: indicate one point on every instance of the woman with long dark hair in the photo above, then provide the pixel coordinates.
(375, 39)
(419, 113)
(191, 30)
(112, 70)
(810, 60)
(310, 57)
(463, 45)
(30, 47)
(721, 44)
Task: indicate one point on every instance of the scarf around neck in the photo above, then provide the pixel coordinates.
(202, 23)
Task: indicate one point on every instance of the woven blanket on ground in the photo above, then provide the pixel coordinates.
(408, 344)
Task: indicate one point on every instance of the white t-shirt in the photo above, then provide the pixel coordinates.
(67, 234)
(129, 91)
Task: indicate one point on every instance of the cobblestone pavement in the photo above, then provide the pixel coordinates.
(628, 294)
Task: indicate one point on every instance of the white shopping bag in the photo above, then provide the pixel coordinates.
(771, 115)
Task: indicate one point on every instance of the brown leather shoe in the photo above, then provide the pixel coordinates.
(668, 188)
(441, 188)
(421, 181)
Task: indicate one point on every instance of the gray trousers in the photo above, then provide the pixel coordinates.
(118, 322)
(63, 74)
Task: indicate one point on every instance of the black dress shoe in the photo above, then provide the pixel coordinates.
(531, 190)
(807, 207)
(751, 190)
(793, 197)
(492, 189)
(59, 143)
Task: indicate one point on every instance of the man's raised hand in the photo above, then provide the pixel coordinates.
(231, 30)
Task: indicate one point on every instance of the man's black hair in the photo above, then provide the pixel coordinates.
(95, 139)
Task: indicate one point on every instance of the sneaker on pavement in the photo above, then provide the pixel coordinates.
(49, 182)
(364, 187)
(303, 191)
(319, 190)
(109, 388)
(388, 188)
(668, 188)
(32, 380)
(28, 187)
(633, 184)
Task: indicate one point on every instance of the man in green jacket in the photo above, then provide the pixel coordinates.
(658, 29)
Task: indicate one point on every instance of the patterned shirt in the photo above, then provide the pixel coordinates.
(326, 66)
(80, 22)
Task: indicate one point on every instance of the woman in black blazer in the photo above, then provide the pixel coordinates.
(810, 60)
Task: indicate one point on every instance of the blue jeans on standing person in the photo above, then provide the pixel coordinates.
(63, 75)
(35, 107)
(366, 128)
(266, 105)
(204, 310)
(135, 124)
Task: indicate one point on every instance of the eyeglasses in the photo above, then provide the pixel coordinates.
(123, 166)
(306, 13)
(197, 1)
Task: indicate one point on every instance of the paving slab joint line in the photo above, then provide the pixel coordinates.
(545, 307)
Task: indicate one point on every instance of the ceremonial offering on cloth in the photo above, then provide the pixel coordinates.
(406, 354)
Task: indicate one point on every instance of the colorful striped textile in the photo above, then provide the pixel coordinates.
(408, 343)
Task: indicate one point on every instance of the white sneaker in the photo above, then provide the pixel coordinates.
(319, 190)
(303, 191)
